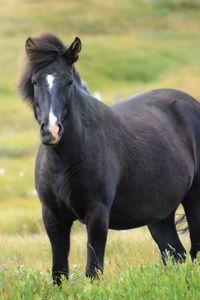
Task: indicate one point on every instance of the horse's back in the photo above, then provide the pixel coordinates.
(171, 112)
(163, 99)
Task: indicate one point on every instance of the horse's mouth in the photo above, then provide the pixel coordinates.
(49, 140)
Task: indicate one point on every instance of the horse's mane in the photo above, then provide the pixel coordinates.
(41, 51)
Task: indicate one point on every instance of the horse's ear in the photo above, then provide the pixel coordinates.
(73, 50)
(28, 44)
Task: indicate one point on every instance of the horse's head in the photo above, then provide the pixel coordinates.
(47, 83)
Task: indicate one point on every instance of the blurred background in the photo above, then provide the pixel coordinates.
(128, 46)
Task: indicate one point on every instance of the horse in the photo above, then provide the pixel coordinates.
(110, 167)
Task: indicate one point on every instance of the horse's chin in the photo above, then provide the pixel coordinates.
(50, 144)
(47, 141)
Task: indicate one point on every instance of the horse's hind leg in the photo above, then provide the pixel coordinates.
(165, 235)
(192, 210)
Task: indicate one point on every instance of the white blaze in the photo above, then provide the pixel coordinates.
(52, 119)
(53, 127)
(50, 79)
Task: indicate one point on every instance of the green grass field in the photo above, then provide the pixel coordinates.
(128, 47)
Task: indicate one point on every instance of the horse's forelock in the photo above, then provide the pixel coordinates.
(41, 51)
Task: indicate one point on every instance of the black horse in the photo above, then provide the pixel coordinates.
(116, 167)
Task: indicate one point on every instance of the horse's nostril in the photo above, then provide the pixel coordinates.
(44, 129)
(61, 129)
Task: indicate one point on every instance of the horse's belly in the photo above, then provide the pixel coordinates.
(120, 220)
(131, 212)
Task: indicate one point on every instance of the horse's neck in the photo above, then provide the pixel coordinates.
(85, 112)
(85, 118)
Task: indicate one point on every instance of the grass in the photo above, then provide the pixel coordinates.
(132, 270)
(128, 46)
(142, 282)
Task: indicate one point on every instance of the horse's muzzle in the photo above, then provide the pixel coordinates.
(51, 136)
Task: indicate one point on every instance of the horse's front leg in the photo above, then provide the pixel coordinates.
(97, 223)
(59, 236)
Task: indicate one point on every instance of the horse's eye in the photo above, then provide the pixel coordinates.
(33, 82)
(69, 82)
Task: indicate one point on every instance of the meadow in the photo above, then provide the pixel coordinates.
(128, 47)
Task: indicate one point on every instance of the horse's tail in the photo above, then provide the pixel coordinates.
(181, 223)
